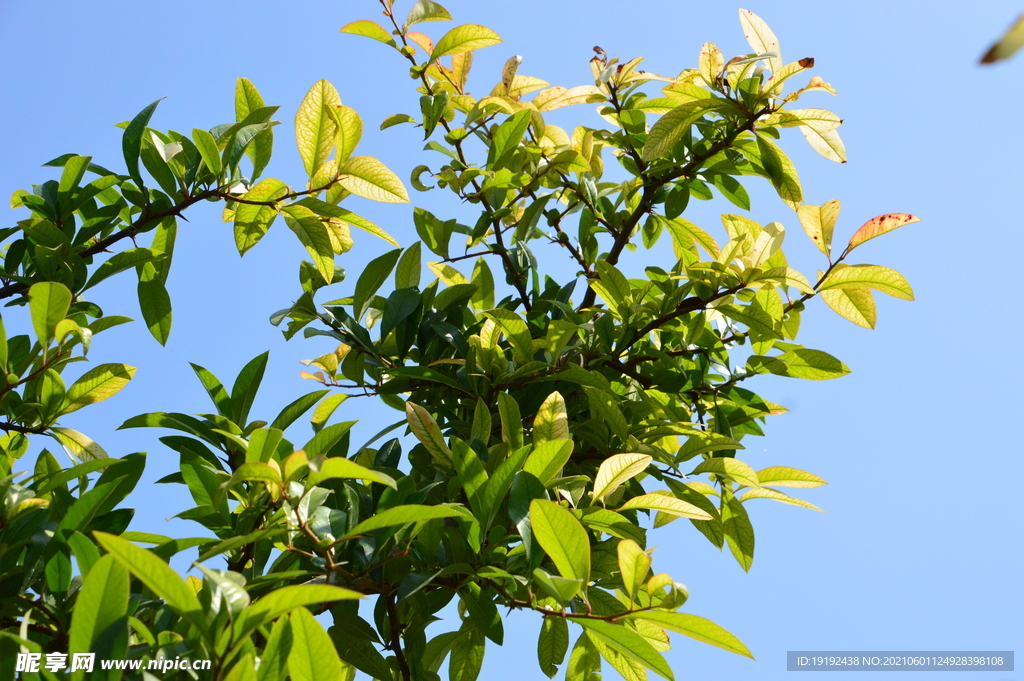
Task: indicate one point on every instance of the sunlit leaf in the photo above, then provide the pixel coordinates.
(875, 277)
(369, 29)
(616, 470)
(562, 538)
(314, 126)
(464, 38)
(666, 503)
(698, 628)
(855, 304)
(878, 226)
(367, 177)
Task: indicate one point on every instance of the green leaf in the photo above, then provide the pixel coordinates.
(511, 421)
(516, 330)
(696, 627)
(350, 131)
(48, 303)
(878, 226)
(781, 476)
(854, 304)
(584, 661)
(407, 273)
(781, 172)
(562, 538)
(729, 467)
(467, 656)
(371, 279)
(158, 577)
(552, 644)
(348, 217)
(464, 38)
(425, 10)
(214, 389)
(425, 428)
(776, 495)
(97, 384)
(367, 177)
(626, 641)
(278, 602)
(245, 387)
(154, 302)
(274, 661)
(634, 564)
(670, 128)
(102, 601)
(247, 100)
(338, 467)
(551, 422)
(253, 221)
(739, 533)
(314, 127)
(206, 143)
(369, 29)
(616, 470)
(548, 458)
(296, 409)
(313, 656)
(403, 515)
(131, 141)
(82, 446)
(313, 235)
(120, 262)
(483, 298)
(666, 503)
(810, 364)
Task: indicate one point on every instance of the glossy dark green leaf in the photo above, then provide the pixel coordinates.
(131, 141)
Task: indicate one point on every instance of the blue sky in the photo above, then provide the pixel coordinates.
(921, 545)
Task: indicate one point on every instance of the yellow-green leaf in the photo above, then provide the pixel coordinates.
(825, 142)
(464, 38)
(562, 538)
(616, 470)
(878, 226)
(369, 29)
(253, 221)
(446, 273)
(766, 493)
(79, 444)
(48, 304)
(819, 223)
(314, 126)
(313, 656)
(349, 131)
(666, 503)
(634, 564)
(697, 628)
(551, 422)
(426, 430)
(96, 385)
(339, 467)
(367, 177)
(813, 365)
(516, 330)
(729, 467)
(548, 458)
(557, 97)
(783, 476)
(314, 236)
(876, 277)
(854, 304)
(672, 126)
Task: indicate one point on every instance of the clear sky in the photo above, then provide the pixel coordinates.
(921, 545)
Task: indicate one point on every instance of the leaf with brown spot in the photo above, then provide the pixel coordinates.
(819, 223)
(878, 226)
